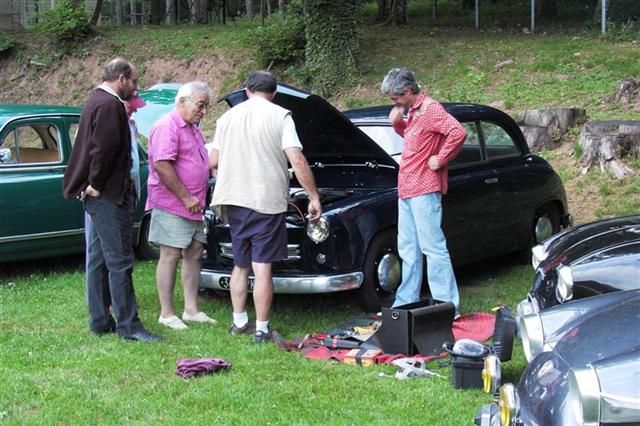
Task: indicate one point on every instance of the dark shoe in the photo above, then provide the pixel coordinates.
(262, 337)
(144, 336)
(248, 328)
(111, 329)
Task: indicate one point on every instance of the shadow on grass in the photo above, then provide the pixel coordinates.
(25, 268)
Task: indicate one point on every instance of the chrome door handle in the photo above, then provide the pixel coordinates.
(491, 180)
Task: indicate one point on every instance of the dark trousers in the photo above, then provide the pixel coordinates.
(109, 265)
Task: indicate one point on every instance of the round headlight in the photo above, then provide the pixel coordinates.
(319, 231)
(491, 374)
(564, 289)
(509, 405)
(532, 335)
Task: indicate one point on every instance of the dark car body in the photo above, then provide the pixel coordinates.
(587, 260)
(499, 194)
(35, 220)
(584, 365)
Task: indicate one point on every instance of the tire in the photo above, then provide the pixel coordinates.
(546, 222)
(382, 272)
(146, 250)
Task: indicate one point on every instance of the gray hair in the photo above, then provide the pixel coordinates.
(191, 88)
(398, 80)
(115, 68)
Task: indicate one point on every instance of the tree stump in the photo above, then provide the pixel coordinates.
(628, 92)
(537, 137)
(556, 120)
(605, 143)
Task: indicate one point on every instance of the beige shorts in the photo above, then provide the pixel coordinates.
(168, 229)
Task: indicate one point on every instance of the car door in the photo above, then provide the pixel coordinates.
(36, 220)
(471, 212)
(516, 185)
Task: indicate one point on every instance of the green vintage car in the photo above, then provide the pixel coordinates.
(35, 220)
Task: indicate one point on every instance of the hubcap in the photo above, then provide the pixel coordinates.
(544, 228)
(389, 272)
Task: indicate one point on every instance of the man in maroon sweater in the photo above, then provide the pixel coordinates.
(99, 175)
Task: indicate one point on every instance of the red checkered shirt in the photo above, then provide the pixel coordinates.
(429, 130)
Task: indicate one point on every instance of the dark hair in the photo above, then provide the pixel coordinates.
(115, 68)
(261, 81)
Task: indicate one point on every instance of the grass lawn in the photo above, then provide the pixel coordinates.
(53, 371)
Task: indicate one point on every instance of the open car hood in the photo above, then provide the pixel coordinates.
(327, 136)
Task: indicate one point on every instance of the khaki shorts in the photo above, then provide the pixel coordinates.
(170, 230)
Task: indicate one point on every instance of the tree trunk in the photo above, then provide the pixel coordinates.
(282, 6)
(250, 5)
(119, 12)
(132, 12)
(383, 10)
(397, 14)
(330, 28)
(96, 12)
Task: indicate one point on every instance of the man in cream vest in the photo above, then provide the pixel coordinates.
(250, 149)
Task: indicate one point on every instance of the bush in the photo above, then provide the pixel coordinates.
(6, 43)
(66, 22)
(281, 41)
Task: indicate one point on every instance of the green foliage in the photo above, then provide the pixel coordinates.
(67, 22)
(331, 44)
(577, 149)
(6, 43)
(280, 42)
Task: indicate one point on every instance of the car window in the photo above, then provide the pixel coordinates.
(471, 151)
(73, 131)
(30, 144)
(498, 141)
(385, 137)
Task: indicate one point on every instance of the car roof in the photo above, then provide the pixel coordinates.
(11, 111)
(380, 113)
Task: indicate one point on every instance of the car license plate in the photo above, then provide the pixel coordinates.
(224, 282)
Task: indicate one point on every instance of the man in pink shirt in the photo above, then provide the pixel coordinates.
(177, 187)
(432, 138)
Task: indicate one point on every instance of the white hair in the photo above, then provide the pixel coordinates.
(191, 88)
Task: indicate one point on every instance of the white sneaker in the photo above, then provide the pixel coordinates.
(199, 317)
(172, 322)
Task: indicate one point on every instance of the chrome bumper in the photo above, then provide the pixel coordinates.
(289, 285)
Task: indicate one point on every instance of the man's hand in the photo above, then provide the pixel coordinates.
(89, 191)
(433, 163)
(396, 114)
(314, 210)
(192, 204)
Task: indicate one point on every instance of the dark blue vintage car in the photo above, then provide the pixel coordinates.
(584, 366)
(501, 199)
(587, 260)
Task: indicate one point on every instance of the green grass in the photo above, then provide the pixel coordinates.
(55, 372)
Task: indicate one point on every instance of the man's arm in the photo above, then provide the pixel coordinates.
(396, 117)
(305, 177)
(168, 176)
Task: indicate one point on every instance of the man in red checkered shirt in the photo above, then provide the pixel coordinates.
(432, 138)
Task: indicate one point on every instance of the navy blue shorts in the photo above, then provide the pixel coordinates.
(256, 237)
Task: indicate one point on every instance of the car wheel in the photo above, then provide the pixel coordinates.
(382, 272)
(146, 250)
(546, 222)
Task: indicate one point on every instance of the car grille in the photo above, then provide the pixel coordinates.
(293, 251)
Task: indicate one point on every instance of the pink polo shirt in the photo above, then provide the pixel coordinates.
(172, 139)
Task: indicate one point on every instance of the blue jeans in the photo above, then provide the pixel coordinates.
(420, 232)
(109, 265)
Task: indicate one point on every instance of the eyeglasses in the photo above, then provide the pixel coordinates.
(394, 98)
(199, 104)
